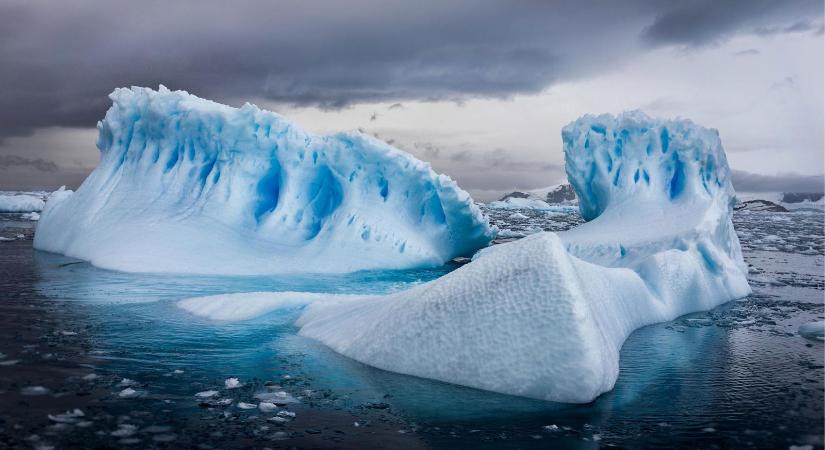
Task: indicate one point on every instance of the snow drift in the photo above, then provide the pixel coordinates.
(189, 185)
(546, 316)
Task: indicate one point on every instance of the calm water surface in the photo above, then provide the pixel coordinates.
(737, 376)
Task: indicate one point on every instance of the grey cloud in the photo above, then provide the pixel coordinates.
(429, 149)
(798, 27)
(748, 52)
(59, 60)
(703, 22)
(788, 182)
(11, 161)
(785, 83)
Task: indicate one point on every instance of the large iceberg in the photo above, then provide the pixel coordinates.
(189, 185)
(545, 316)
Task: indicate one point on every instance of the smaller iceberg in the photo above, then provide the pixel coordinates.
(546, 316)
(20, 203)
(191, 186)
(519, 203)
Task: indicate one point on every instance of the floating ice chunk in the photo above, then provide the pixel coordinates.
(20, 203)
(189, 185)
(517, 216)
(545, 316)
(124, 430)
(34, 390)
(33, 216)
(128, 393)
(244, 405)
(267, 407)
(813, 330)
(232, 383)
(279, 397)
(67, 417)
(127, 382)
(206, 394)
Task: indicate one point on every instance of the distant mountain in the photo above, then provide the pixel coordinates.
(801, 197)
(557, 194)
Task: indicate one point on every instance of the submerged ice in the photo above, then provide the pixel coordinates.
(189, 185)
(545, 316)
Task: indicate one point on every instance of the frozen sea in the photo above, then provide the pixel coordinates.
(95, 358)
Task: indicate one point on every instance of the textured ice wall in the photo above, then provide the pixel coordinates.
(611, 161)
(546, 316)
(189, 185)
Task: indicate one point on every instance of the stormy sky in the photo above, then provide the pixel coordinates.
(480, 89)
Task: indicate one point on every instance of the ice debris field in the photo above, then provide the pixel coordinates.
(188, 185)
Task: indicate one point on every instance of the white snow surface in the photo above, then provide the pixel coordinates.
(187, 185)
(546, 316)
(20, 203)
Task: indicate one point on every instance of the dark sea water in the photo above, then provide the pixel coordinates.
(114, 347)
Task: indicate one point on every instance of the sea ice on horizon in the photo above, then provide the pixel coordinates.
(191, 186)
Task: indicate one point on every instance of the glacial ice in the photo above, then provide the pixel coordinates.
(546, 316)
(187, 185)
(20, 203)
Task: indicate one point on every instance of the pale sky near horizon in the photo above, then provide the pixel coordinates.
(479, 89)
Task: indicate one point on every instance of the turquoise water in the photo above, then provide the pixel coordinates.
(739, 375)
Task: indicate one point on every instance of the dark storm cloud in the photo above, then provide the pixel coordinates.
(702, 22)
(58, 60)
(788, 182)
(12, 161)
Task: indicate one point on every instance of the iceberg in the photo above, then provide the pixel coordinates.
(546, 316)
(519, 203)
(20, 203)
(186, 185)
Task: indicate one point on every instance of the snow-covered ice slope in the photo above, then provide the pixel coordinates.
(189, 185)
(546, 316)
